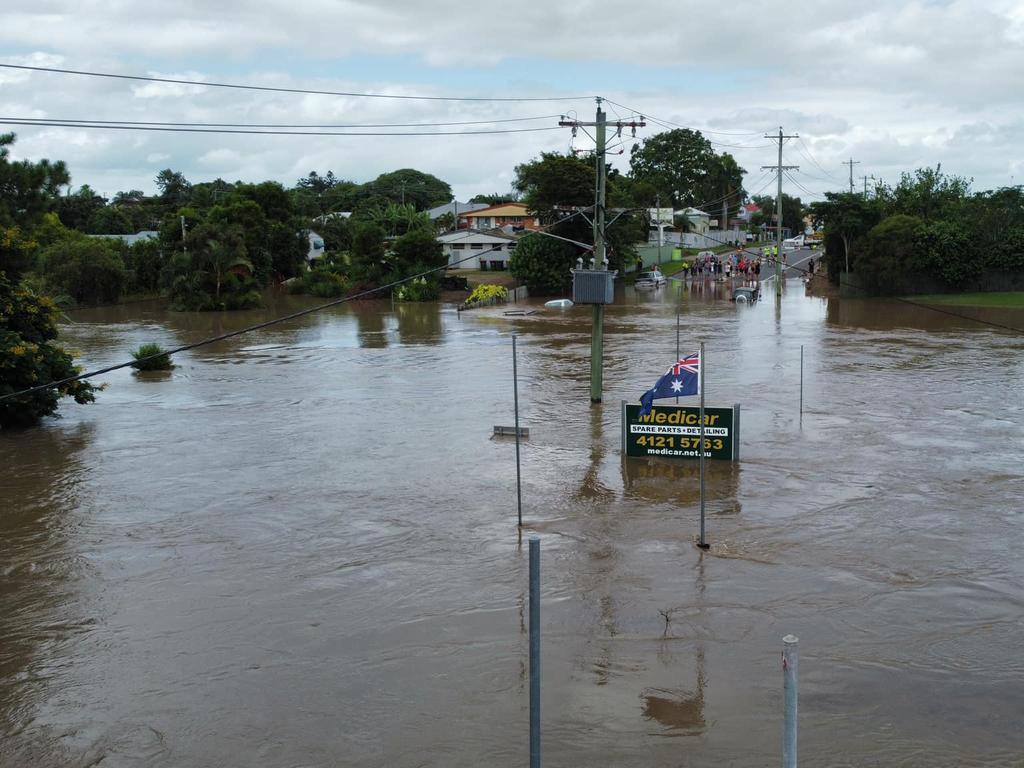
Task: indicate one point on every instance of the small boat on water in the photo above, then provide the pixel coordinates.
(558, 304)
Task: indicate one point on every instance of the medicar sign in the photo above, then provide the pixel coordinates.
(673, 432)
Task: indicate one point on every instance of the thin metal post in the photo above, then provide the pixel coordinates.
(801, 382)
(790, 691)
(677, 341)
(534, 652)
(703, 543)
(515, 397)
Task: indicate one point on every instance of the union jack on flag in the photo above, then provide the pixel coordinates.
(682, 379)
(689, 364)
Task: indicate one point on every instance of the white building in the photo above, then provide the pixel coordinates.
(472, 249)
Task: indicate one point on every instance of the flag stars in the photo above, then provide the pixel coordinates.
(677, 386)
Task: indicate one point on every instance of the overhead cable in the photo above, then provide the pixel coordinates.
(274, 89)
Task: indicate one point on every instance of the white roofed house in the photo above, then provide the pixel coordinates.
(457, 210)
(471, 249)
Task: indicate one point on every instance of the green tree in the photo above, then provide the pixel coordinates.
(496, 199)
(77, 208)
(27, 189)
(555, 180)
(543, 264)
(368, 253)
(407, 185)
(17, 251)
(143, 262)
(28, 358)
(890, 252)
(793, 213)
(680, 163)
(109, 220)
(848, 216)
(553, 183)
(336, 232)
(88, 269)
(416, 251)
(927, 193)
(175, 189)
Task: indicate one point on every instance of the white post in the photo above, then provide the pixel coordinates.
(790, 668)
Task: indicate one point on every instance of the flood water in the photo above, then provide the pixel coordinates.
(300, 547)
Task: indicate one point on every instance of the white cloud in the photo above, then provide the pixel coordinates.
(895, 84)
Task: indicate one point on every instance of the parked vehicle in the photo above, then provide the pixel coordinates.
(653, 279)
(745, 294)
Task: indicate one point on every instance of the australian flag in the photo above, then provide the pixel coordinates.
(681, 379)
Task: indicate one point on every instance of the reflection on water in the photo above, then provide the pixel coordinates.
(299, 547)
(661, 479)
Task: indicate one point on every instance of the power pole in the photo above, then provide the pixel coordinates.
(851, 163)
(778, 207)
(657, 203)
(600, 261)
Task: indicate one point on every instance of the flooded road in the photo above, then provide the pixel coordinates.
(299, 548)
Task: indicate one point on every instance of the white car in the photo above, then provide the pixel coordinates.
(652, 279)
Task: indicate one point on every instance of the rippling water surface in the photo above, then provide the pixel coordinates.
(299, 548)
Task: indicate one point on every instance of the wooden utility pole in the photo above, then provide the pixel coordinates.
(851, 162)
(778, 206)
(600, 260)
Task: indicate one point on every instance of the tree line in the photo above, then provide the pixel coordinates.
(930, 226)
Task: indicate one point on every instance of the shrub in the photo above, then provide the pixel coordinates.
(28, 358)
(151, 357)
(420, 289)
(488, 292)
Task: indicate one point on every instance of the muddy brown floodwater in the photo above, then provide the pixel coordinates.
(299, 548)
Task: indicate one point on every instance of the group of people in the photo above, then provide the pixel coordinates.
(725, 265)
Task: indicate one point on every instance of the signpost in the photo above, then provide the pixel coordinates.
(673, 432)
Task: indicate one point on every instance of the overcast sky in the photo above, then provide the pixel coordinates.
(893, 85)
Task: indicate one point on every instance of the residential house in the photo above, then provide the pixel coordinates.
(502, 215)
(472, 249)
(145, 234)
(457, 210)
(700, 222)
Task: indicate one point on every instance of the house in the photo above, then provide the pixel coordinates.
(145, 234)
(747, 211)
(457, 210)
(472, 249)
(501, 215)
(700, 222)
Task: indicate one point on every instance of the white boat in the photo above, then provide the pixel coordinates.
(558, 304)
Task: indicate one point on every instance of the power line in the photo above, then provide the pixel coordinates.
(180, 124)
(678, 125)
(272, 89)
(240, 131)
(814, 161)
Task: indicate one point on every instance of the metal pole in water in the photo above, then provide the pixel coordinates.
(534, 652)
(515, 396)
(790, 668)
(703, 544)
(801, 382)
(677, 340)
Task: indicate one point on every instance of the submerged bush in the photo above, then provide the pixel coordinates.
(158, 359)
